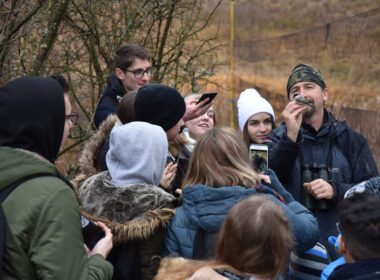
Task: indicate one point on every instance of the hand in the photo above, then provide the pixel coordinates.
(320, 189)
(104, 245)
(293, 118)
(194, 110)
(264, 178)
(207, 273)
(276, 185)
(178, 191)
(169, 174)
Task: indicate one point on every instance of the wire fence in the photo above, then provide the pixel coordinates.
(356, 35)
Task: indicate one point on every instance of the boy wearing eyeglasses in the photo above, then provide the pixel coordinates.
(132, 70)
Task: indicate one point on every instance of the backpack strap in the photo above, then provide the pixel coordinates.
(3, 195)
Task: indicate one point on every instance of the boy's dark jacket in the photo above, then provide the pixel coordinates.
(362, 270)
(109, 99)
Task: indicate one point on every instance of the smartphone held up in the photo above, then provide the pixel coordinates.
(209, 95)
(258, 154)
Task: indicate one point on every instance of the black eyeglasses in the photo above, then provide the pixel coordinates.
(139, 73)
(73, 118)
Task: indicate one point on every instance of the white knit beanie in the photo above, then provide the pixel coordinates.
(250, 103)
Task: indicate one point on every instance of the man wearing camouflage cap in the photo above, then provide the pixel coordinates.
(315, 156)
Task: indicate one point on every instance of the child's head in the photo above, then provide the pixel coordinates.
(359, 224)
(160, 105)
(126, 108)
(137, 154)
(198, 126)
(220, 158)
(255, 238)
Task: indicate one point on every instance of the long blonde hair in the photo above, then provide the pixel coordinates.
(220, 158)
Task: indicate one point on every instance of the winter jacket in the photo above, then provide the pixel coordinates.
(109, 99)
(336, 145)
(331, 267)
(361, 270)
(43, 232)
(92, 159)
(137, 215)
(207, 207)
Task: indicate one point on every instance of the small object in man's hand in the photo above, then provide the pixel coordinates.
(302, 100)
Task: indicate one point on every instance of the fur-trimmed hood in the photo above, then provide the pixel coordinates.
(87, 162)
(133, 211)
(180, 268)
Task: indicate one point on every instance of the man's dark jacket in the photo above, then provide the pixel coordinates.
(349, 163)
(108, 101)
(362, 270)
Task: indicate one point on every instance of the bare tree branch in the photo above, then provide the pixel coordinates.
(47, 41)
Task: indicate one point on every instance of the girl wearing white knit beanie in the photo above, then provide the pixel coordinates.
(256, 117)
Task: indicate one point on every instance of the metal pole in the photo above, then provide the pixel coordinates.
(232, 119)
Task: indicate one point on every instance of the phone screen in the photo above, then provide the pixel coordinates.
(258, 154)
(210, 95)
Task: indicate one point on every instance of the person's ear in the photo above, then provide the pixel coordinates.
(119, 74)
(325, 94)
(342, 249)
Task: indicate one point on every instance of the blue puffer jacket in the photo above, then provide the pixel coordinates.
(343, 150)
(207, 207)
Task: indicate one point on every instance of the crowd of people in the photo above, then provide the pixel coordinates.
(162, 192)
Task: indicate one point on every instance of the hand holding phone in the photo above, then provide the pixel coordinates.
(258, 153)
(91, 233)
(209, 95)
(196, 108)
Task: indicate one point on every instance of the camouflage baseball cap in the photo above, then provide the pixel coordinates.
(305, 73)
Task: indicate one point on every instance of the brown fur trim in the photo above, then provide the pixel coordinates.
(180, 268)
(136, 229)
(88, 159)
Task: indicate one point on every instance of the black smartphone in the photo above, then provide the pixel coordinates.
(258, 154)
(91, 233)
(210, 95)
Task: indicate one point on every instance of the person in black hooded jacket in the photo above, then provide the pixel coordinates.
(43, 233)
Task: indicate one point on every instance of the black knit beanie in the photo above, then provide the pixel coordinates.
(160, 105)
